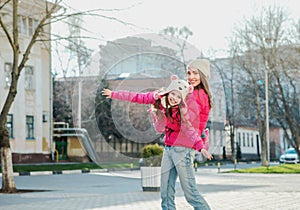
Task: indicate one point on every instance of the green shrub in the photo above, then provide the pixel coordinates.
(152, 155)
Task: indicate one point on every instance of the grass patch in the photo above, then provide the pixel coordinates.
(69, 166)
(119, 165)
(280, 169)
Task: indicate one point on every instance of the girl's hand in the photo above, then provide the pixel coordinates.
(156, 95)
(107, 93)
(206, 154)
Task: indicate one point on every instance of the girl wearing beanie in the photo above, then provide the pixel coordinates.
(199, 104)
(179, 161)
(181, 139)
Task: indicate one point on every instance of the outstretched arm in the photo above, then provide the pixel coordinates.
(134, 97)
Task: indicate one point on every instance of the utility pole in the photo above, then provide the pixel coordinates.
(267, 110)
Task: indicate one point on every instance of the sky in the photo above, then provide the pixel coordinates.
(211, 21)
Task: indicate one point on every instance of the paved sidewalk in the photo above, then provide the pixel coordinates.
(120, 190)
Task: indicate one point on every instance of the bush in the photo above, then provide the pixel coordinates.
(152, 155)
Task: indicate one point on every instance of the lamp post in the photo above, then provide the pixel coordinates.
(267, 111)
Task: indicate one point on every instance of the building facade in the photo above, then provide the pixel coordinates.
(29, 119)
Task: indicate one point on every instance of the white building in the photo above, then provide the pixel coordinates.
(29, 118)
(249, 142)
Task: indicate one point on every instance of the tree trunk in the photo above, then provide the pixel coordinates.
(262, 132)
(232, 143)
(8, 183)
(264, 161)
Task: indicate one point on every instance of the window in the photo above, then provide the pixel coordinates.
(29, 77)
(248, 140)
(32, 25)
(22, 25)
(29, 127)
(239, 138)
(9, 125)
(244, 140)
(251, 137)
(27, 25)
(8, 70)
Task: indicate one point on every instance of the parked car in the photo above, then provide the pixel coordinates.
(290, 156)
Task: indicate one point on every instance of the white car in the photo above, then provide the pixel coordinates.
(290, 156)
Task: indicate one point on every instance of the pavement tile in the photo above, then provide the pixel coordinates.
(121, 190)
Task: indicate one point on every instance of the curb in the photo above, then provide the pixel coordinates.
(60, 172)
(34, 173)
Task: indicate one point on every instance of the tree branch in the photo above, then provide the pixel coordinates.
(35, 35)
(6, 33)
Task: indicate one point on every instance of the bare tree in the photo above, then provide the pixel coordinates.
(226, 70)
(263, 50)
(8, 184)
(51, 12)
(179, 37)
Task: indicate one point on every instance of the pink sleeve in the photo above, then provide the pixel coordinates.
(134, 97)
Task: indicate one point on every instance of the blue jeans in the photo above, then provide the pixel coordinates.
(179, 161)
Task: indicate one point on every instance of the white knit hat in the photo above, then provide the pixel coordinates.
(202, 65)
(177, 84)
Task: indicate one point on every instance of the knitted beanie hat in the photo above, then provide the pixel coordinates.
(202, 65)
(177, 84)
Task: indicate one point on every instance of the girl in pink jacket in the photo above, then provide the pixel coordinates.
(182, 139)
(178, 162)
(171, 103)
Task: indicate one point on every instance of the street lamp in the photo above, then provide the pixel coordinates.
(267, 110)
(268, 41)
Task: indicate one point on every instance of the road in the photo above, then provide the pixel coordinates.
(122, 190)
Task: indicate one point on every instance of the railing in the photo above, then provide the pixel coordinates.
(83, 134)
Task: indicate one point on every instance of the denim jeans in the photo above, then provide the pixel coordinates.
(178, 162)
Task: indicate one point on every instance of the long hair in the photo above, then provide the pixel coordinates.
(169, 109)
(205, 86)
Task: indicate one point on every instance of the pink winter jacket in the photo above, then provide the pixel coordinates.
(198, 109)
(177, 133)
